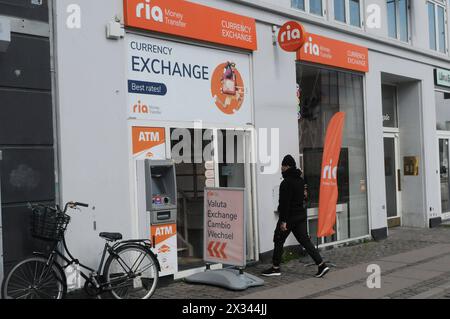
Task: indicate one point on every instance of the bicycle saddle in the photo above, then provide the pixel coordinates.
(111, 236)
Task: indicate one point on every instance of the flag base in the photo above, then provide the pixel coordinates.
(232, 279)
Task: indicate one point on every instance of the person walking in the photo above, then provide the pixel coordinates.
(293, 218)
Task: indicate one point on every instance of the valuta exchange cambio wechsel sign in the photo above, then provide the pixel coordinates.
(191, 20)
(224, 237)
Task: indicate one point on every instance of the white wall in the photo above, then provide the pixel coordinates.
(93, 136)
(275, 101)
(413, 191)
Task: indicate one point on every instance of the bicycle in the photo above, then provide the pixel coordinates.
(131, 270)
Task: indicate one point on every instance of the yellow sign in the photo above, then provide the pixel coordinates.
(411, 166)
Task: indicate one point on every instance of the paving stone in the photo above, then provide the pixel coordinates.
(388, 285)
(419, 254)
(441, 264)
(416, 273)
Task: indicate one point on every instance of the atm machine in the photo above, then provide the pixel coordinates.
(157, 209)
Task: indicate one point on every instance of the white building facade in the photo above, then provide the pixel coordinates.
(394, 167)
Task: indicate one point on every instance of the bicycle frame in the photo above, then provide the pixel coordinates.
(94, 274)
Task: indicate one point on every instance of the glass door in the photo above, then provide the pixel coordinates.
(235, 171)
(444, 176)
(392, 179)
(190, 149)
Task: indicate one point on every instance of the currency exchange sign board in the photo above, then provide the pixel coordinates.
(224, 226)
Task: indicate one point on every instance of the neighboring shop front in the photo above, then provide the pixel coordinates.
(442, 96)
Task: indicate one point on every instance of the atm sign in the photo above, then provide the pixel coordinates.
(147, 138)
(161, 233)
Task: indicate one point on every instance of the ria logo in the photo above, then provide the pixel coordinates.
(151, 13)
(330, 171)
(312, 48)
(289, 34)
(141, 108)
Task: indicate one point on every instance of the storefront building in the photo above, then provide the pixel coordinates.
(143, 89)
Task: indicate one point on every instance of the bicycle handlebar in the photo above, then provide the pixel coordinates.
(81, 204)
(67, 206)
(74, 205)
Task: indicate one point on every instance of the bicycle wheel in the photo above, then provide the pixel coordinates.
(132, 273)
(33, 279)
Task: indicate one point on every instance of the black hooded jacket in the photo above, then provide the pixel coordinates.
(290, 205)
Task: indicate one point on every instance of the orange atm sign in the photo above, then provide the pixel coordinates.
(191, 20)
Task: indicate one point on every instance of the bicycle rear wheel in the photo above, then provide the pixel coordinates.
(132, 273)
(33, 279)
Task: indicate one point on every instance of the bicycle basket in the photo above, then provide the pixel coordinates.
(48, 224)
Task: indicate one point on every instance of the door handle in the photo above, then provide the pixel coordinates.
(399, 180)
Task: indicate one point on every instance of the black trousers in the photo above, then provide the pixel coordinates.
(300, 231)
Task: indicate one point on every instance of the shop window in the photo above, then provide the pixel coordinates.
(398, 19)
(323, 93)
(348, 11)
(436, 24)
(442, 111)
(389, 96)
(310, 6)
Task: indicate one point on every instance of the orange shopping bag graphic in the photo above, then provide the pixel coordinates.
(328, 182)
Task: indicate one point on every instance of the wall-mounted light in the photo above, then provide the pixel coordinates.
(114, 30)
(274, 35)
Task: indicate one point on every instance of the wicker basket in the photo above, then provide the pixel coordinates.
(48, 224)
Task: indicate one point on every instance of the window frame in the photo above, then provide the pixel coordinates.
(443, 5)
(397, 21)
(308, 8)
(348, 15)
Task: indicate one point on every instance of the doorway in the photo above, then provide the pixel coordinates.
(444, 160)
(214, 158)
(393, 179)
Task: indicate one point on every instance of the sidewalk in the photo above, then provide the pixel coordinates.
(406, 275)
(415, 263)
(412, 261)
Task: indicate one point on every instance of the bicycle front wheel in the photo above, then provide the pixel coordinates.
(34, 279)
(132, 273)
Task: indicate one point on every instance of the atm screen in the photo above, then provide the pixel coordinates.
(158, 186)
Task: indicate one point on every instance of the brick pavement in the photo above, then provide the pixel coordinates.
(400, 255)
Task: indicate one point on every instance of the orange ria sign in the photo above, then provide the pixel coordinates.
(291, 36)
(335, 53)
(328, 182)
(190, 20)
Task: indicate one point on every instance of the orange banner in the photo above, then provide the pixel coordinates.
(334, 53)
(328, 182)
(191, 20)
